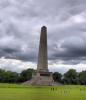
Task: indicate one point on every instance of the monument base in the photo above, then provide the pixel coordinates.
(41, 79)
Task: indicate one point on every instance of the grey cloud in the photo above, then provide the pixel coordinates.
(72, 50)
(20, 22)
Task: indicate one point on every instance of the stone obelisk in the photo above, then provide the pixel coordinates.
(42, 76)
(42, 56)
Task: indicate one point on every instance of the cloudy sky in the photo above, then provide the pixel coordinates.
(20, 23)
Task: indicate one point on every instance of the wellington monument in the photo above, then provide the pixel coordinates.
(42, 76)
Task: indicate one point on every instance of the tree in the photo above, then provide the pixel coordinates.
(57, 77)
(26, 75)
(71, 77)
(82, 78)
(8, 76)
(2, 72)
(11, 77)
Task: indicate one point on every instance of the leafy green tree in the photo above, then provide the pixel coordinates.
(71, 77)
(82, 78)
(26, 75)
(12, 77)
(8, 76)
(2, 72)
(57, 77)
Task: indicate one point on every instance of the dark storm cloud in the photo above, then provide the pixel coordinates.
(20, 22)
(71, 50)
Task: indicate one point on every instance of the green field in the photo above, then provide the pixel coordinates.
(19, 92)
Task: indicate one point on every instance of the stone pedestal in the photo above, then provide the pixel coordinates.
(41, 79)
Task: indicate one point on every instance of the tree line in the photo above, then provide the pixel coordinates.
(14, 77)
(71, 77)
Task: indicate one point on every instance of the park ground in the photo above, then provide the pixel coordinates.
(20, 92)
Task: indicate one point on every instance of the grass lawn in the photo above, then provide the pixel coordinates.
(19, 92)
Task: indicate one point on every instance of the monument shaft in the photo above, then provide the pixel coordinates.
(42, 76)
(42, 56)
